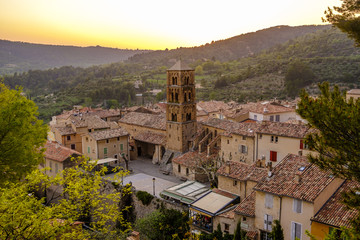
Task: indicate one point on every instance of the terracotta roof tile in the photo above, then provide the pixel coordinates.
(245, 129)
(283, 181)
(228, 213)
(192, 159)
(145, 120)
(247, 206)
(88, 120)
(243, 172)
(110, 133)
(65, 130)
(212, 106)
(284, 129)
(251, 234)
(57, 152)
(149, 137)
(335, 213)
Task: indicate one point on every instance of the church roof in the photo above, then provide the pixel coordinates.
(179, 65)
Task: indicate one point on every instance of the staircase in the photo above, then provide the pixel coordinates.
(165, 163)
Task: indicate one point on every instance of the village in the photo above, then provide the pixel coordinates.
(222, 162)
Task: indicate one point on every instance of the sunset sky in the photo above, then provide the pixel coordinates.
(149, 24)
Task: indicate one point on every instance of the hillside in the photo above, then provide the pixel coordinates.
(328, 54)
(229, 49)
(20, 56)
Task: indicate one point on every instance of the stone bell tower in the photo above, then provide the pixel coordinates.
(181, 107)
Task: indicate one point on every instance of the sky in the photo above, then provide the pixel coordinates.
(149, 24)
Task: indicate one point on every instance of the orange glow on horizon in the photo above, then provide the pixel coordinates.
(144, 24)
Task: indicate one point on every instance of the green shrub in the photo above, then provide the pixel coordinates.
(144, 197)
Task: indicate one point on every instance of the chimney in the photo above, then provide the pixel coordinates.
(269, 166)
(227, 167)
(297, 177)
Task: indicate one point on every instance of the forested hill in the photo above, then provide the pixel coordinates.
(21, 56)
(229, 49)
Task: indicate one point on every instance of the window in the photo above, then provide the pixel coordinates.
(271, 118)
(295, 230)
(244, 219)
(114, 145)
(277, 118)
(272, 138)
(56, 168)
(187, 171)
(234, 183)
(68, 138)
(116, 156)
(87, 139)
(89, 130)
(297, 206)
(269, 200)
(276, 139)
(107, 140)
(228, 141)
(105, 150)
(273, 156)
(179, 168)
(301, 144)
(72, 146)
(121, 147)
(88, 149)
(268, 222)
(118, 138)
(50, 166)
(226, 227)
(260, 136)
(243, 149)
(243, 137)
(255, 117)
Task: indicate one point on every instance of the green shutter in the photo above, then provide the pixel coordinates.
(105, 150)
(88, 149)
(121, 147)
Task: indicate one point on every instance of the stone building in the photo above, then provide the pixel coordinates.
(181, 121)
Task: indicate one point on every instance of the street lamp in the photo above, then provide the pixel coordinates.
(154, 186)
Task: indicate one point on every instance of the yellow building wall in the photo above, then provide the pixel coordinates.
(231, 146)
(241, 188)
(288, 215)
(319, 230)
(89, 144)
(283, 147)
(113, 147)
(261, 210)
(326, 194)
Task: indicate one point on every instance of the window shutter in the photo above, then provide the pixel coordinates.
(301, 144)
(246, 149)
(265, 221)
(270, 219)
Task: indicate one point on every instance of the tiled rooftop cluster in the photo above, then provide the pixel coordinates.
(242, 171)
(284, 129)
(107, 134)
(145, 119)
(335, 213)
(149, 137)
(246, 129)
(57, 152)
(295, 177)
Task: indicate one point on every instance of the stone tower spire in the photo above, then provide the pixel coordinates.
(181, 107)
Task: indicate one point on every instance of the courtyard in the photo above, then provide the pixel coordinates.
(142, 175)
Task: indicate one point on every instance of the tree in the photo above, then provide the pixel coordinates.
(21, 135)
(298, 75)
(85, 197)
(336, 138)
(277, 232)
(164, 224)
(346, 18)
(239, 234)
(217, 234)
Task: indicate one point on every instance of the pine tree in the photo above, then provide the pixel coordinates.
(277, 232)
(336, 137)
(237, 233)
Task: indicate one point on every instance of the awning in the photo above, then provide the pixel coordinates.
(105, 160)
(213, 203)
